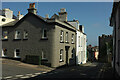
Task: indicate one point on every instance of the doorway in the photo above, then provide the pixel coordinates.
(67, 49)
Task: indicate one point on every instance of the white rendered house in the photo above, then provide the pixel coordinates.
(81, 56)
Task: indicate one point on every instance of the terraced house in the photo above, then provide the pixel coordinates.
(53, 39)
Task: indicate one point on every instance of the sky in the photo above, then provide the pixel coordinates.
(94, 16)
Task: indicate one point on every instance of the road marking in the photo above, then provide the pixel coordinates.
(44, 72)
(12, 79)
(25, 77)
(33, 75)
(19, 75)
(29, 74)
(38, 73)
(8, 77)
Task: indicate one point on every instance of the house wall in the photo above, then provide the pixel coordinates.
(7, 20)
(117, 60)
(34, 45)
(58, 45)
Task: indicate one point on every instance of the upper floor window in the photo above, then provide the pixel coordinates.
(66, 37)
(61, 36)
(25, 35)
(44, 33)
(17, 34)
(72, 38)
(72, 53)
(79, 41)
(5, 35)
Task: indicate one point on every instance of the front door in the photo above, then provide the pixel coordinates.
(67, 48)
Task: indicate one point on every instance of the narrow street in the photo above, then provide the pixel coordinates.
(16, 70)
(88, 70)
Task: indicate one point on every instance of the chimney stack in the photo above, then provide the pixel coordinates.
(18, 12)
(32, 8)
(47, 16)
(19, 16)
(62, 14)
(81, 27)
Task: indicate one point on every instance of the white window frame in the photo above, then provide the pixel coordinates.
(61, 55)
(61, 36)
(15, 53)
(3, 53)
(25, 36)
(43, 33)
(3, 35)
(17, 36)
(43, 55)
(72, 38)
(66, 37)
(79, 41)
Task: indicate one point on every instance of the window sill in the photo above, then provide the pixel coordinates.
(67, 42)
(72, 43)
(61, 42)
(61, 61)
(4, 39)
(16, 39)
(44, 59)
(44, 38)
(25, 39)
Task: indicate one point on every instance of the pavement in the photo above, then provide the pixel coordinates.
(14, 70)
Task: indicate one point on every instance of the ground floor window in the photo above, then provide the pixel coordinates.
(17, 53)
(72, 53)
(61, 55)
(43, 54)
(4, 52)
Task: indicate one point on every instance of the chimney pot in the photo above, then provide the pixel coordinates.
(46, 16)
(18, 12)
(62, 10)
(32, 5)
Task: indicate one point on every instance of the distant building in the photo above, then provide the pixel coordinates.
(103, 41)
(92, 53)
(115, 23)
(95, 52)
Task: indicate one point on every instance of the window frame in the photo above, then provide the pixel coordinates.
(72, 54)
(43, 55)
(43, 33)
(72, 39)
(61, 55)
(17, 36)
(15, 53)
(3, 35)
(66, 37)
(3, 52)
(24, 34)
(61, 36)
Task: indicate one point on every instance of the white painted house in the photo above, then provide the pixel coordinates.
(7, 17)
(81, 56)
